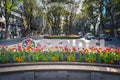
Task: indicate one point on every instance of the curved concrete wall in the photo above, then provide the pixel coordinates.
(59, 71)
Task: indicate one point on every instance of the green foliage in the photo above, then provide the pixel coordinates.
(59, 15)
(59, 1)
(107, 58)
(93, 12)
(62, 37)
(11, 4)
(8, 6)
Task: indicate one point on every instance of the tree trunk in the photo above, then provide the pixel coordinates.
(101, 16)
(6, 28)
(94, 29)
(6, 20)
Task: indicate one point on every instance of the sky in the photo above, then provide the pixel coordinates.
(80, 6)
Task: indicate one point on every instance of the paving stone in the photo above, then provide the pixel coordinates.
(28, 76)
(95, 76)
(11, 76)
(46, 75)
(73, 75)
(110, 76)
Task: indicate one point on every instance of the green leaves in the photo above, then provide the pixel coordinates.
(11, 4)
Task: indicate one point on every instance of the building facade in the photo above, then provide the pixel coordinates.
(16, 25)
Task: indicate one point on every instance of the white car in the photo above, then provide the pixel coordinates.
(89, 36)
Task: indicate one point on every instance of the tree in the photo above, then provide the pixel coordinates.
(1, 11)
(29, 9)
(113, 7)
(71, 15)
(90, 12)
(60, 12)
(93, 10)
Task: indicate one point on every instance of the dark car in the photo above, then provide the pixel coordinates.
(89, 36)
(106, 37)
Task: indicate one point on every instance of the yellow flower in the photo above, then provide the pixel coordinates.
(45, 59)
(53, 58)
(19, 59)
(68, 57)
(73, 59)
(55, 49)
(88, 60)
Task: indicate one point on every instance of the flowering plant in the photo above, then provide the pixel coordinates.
(28, 43)
(20, 53)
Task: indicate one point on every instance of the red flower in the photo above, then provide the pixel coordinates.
(119, 51)
(73, 49)
(66, 48)
(113, 50)
(56, 47)
(13, 49)
(108, 49)
(92, 48)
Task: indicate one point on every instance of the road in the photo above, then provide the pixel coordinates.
(113, 43)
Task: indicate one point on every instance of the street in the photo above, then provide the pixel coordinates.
(114, 43)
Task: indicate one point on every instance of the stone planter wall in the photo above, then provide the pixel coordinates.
(59, 71)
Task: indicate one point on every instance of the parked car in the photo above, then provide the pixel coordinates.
(80, 34)
(106, 37)
(89, 36)
(118, 36)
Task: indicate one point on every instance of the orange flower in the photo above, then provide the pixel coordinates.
(92, 48)
(29, 48)
(30, 41)
(111, 61)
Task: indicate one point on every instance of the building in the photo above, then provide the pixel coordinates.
(15, 25)
(2, 21)
(2, 27)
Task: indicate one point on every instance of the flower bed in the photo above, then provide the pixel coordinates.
(61, 37)
(20, 53)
